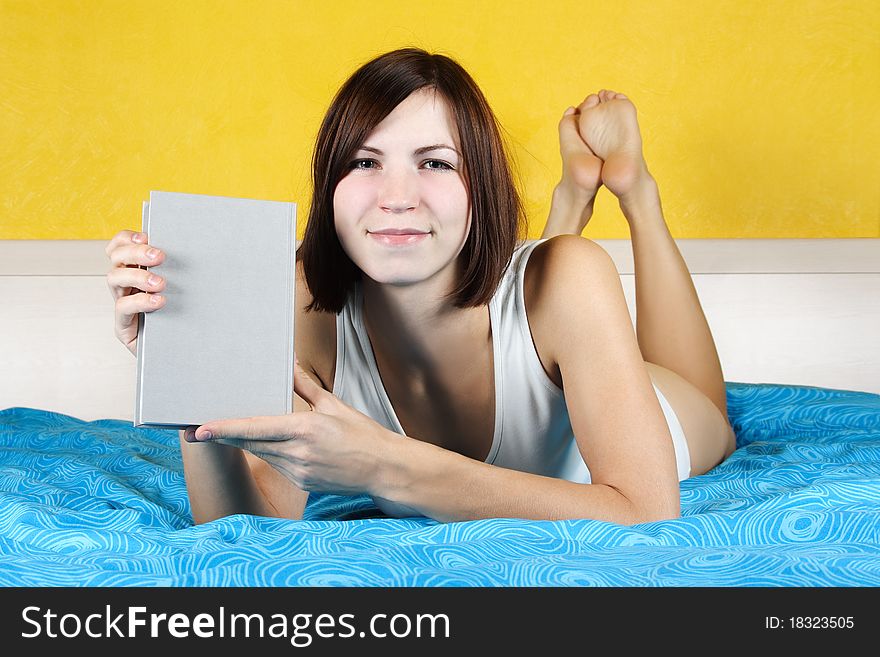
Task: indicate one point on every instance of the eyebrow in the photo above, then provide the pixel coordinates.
(418, 151)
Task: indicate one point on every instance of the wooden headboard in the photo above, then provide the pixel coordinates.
(801, 311)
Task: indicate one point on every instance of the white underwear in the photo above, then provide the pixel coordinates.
(682, 455)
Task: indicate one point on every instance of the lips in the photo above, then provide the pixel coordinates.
(399, 236)
(399, 231)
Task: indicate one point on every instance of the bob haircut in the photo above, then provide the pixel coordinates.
(363, 101)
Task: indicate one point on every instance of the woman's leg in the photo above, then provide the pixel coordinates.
(673, 333)
(671, 328)
(573, 197)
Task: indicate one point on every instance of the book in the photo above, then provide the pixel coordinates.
(222, 345)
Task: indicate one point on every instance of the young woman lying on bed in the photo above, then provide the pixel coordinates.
(446, 367)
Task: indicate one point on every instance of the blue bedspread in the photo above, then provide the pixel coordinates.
(103, 503)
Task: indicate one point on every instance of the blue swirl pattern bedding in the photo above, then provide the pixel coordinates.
(103, 503)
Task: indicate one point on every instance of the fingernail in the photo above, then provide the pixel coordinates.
(205, 435)
(152, 279)
(137, 237)
(570, 110)
(189, 435)
(152, 253)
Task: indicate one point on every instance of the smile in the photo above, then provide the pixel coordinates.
(399, 240)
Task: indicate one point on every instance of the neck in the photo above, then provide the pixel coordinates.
(418, 333)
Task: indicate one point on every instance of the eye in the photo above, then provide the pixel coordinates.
(444, 166)
(357, 164)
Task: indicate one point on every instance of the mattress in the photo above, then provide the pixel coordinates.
(102, 503)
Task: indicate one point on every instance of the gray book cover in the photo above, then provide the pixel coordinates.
(222, 345)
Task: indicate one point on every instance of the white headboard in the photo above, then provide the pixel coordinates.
(801, 312)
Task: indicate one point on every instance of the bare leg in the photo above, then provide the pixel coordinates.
(569, 212)
(573, 198)
(671, 328)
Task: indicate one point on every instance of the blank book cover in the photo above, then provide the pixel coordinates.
(222, 346)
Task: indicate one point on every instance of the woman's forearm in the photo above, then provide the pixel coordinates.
(219, 482)
(450, 487)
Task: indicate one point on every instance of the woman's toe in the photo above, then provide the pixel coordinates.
(590, 101)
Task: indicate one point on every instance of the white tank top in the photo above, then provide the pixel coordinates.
(533, 432)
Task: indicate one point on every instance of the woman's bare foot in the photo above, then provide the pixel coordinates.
(573, 197)
(607, 123)
(581, 169)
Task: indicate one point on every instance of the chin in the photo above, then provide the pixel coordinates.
(389, 272)
(402, 268)
(397, 281)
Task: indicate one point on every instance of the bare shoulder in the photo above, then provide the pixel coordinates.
(314, 334)
(567, 255)
(561, 276)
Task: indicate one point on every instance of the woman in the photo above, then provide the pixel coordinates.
(445, 369)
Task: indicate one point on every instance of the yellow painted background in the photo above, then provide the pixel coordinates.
(759, 117)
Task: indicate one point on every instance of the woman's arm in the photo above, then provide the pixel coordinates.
(222, 480)
(617, 421)
(449, 487)
(219, 482)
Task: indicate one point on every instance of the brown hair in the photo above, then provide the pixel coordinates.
(363, 101)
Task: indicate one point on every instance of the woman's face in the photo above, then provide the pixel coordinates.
(405, 179)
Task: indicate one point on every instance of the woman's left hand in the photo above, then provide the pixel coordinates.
(332, 449)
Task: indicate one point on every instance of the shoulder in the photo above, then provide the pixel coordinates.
(567, 255)
(314, 334)
(562, 269)
(566, 279)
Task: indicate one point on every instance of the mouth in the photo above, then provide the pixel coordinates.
(399, 236)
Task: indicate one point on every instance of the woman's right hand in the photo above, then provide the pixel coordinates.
(135, 290)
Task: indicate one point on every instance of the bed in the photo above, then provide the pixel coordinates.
(101, 503)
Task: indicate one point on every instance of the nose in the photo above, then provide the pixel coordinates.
(399, 192)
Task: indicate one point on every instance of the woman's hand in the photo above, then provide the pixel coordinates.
(134, 289)
(331, 449)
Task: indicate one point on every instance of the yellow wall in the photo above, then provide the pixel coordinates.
(760, 117)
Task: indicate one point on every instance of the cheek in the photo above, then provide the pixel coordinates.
(447, 197)
(465, 212)
(346, 217)
(342, 198)
(452, 199)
